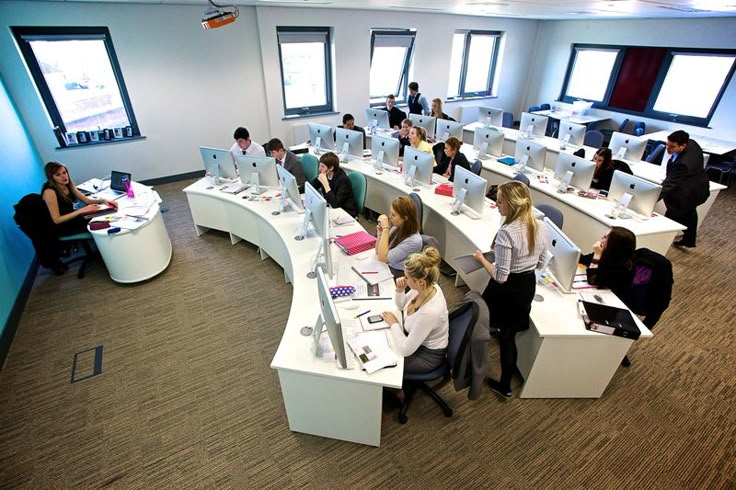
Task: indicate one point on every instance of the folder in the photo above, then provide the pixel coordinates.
(507, 160)
(610, 320)
(355, 243)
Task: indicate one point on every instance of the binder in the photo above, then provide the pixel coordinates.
(507, 160)
(610, 320)
(444, 189)
(355, 243)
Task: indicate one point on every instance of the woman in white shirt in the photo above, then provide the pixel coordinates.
(423, 339)
(519, 248)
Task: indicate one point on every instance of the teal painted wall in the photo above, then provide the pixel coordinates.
(21, 172)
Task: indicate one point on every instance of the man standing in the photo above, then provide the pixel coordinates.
(244, 146)
(290, 162)
(395, 115)
(417, 102)
(686, 185)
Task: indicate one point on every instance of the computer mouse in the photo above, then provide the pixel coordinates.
(348, 305)
(362, 256)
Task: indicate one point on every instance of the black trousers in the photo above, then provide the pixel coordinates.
(687, 218)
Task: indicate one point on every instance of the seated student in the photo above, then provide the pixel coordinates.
(406, 126)
(334, 184)
(437, 110)
(245, 146)
(604, 168)
(395, 115)
(418, 140)
(401, 238)
(451, 159)
(417, 102)
(289, 161)
(60, 194)
(423, 337)
(348, 122)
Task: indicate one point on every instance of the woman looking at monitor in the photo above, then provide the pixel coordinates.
(451, 159)
(520, 247)
(418, 141)
(611, 265)
(334, 184)
(437, 110)
(604, 168)
(60, 194)
(398, 234)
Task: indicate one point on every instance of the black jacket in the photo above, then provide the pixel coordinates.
(341, 192)
(459, 160)
(33, 218)
(686, 185)
(395, 116)
(602, 181)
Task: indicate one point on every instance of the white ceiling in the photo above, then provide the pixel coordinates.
(527, 9)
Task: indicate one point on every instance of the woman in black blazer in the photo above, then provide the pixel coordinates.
(451, 159)
(333, 183)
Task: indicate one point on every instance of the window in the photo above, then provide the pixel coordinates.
(391, 54)
(671, 84)
(77, 74)
(305, 69)
(473, 63)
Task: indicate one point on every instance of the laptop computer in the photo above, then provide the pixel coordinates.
(117, 186)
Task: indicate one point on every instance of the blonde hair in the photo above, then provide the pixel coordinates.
(424, 265)
(421, 133)
(518, 202)
(437, 101)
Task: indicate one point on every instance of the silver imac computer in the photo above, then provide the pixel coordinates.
(377, 118)
(565, 256)
(317, 214)
(644, 194)
(533, 124)
(626, 146)
(488, 141)
(385, 151)
(290, 197)
(470, 193)
(529, 154)
(322, 137)
(221, 160)
(581, 171)
(426, 122)
(417, 168)
(330, 319)
(446, 128)
(259, 172)
(348, 142)
(490, 116)
(571, 134)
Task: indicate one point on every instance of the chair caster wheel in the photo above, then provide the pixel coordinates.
(448, 413)
(403, 419)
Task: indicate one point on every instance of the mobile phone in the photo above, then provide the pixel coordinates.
(375, 319)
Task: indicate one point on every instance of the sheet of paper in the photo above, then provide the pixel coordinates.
(468, 264)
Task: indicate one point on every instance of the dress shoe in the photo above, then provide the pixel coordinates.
(496, 387)
(683, 244)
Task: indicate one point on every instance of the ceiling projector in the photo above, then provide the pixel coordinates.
(219, 15)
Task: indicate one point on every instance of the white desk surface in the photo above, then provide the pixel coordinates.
(709, 145)
(573, 118)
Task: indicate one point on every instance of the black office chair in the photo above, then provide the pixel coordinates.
(522, 178)
(420, 208)
(554, 214)
(725, 168)
(461, 321)
(607, 132)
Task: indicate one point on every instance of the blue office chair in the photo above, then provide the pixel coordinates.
(476, 167)
(310, 166)
(554, 214)
(508, 119)
(420, 208)
(593, 138)
(656, 154)
(522, 178)
(461, 320)
(607, 132)
(640, 128)
(359, 185)
(725, 168)
(534, 108)
(545, 107)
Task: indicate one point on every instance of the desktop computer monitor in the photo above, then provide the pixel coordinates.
(470, 192)
(634, 146)
(571, 133)
(488, 141)
(322, 137)
(377, 118)
(446, 128)
(426, 122)
(644, 194)
(533, 124)
(331, 320)
(417, 167)
(264, 167)
(565, 256)
(218, 162)
(290, 197)
(582, 170)
(490, 116)
(535, 154)
(385, 151)
(350, 140)
(317, 214)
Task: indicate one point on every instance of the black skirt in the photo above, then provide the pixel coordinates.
(509, 303)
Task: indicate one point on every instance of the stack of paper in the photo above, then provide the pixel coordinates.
(373, 271)
(373, 351)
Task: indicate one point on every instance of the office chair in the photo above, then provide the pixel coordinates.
(724, 168)
(534, 108)
(593, 138)
(507, 119)
(554, 214)
(522, 178)
(545, 107)
(420, 208)
(476, 167)
(310, 166)
(359, 185)
(640, 128)
(608, 133)
(461, 323)
(655, 155)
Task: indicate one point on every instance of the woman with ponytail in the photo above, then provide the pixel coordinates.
(519, 248)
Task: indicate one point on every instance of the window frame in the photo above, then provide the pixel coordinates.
(402, 87)
(488, 92)
(308, 110)
(22, 35)
(649, 111)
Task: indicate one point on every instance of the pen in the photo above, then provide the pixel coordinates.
(361, 314)
(369, 272)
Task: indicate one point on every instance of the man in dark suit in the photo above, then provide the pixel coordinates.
(395, 115)
(348, 122)
(289, 161)
(686, 185)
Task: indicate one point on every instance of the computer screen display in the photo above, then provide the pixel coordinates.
(318, 215)
(321, 136)
(289, 189)
(118, 180)
(331, 320)
(445, 129)
(581, 168)
(419, 164)
(565, 256)
(490, 116)
(645, 194)
(265, 167)
(376, 118)
(573, 133)
(222, 159)
(386, 150)
(634, 146)
(536, 153)
(473, 189)
(488, 141)
(353, 140)
(426, 122)
(533, 124)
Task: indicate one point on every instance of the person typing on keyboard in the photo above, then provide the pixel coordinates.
(423, 337)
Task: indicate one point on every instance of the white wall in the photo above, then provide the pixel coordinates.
(556, 37)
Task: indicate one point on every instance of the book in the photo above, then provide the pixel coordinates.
(355, 243)
(610, 320)
(373, 351)
(373, 271)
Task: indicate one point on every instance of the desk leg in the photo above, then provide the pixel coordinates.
(334, 408)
